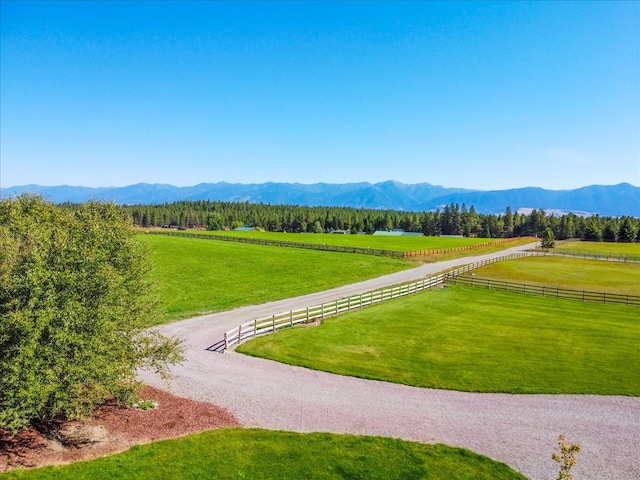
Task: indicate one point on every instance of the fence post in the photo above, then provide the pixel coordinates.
(273, 324)
(226, 340)
(255, 328)
(239, 334)
(291, 318)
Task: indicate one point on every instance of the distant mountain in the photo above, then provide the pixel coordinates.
(614, 200)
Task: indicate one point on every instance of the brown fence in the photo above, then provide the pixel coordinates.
(436, 251)
(542, 290)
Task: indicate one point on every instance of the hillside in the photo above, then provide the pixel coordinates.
(614, 200)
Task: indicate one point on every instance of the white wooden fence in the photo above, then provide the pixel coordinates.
(483, 263)
(266, 325)
(263, 326)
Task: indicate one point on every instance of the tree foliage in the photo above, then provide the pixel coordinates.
(452, 219)
(548, 239)
(628, 231)
(74, 301)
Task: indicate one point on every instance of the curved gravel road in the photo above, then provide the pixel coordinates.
(520, 430)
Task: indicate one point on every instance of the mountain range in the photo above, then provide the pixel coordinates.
(613, 200)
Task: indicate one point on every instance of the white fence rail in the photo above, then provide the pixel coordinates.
(483, 263)
(263, 326)
(266, 325)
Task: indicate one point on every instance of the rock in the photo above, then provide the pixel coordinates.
(80, 434)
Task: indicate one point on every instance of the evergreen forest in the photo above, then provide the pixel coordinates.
(453, 219)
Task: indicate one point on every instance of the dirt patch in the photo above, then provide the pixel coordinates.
(113, 430)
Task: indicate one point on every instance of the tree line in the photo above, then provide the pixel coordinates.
(453, 219)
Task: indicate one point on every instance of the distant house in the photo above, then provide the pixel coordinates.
(398, 232)
(341, 232)
(248, 229)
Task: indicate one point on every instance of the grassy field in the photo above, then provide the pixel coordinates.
(261, 454)
(195, 276)
(631, 249)
(468, 339)
(398, 244)
(571, 273)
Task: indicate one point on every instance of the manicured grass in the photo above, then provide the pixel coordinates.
(262, 454)
(632, 249)
(398, 244)
(197, 276)
(469, 339)
(571, 273)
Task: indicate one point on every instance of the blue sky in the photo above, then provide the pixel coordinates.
(484, 95)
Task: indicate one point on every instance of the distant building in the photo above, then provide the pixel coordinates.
(248, 229)
(398, 232)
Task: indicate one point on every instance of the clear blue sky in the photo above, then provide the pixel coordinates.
(478, 95)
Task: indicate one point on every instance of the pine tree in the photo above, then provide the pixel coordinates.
(628, 231)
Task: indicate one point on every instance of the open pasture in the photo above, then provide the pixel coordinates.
(468, 339)
(604, 248)
(379, 242)
(195, 277)
(570, 273)
(262, 454)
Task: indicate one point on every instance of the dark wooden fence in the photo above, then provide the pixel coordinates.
(613, 257)
(329, 248)
(284, 243)
(542, 290)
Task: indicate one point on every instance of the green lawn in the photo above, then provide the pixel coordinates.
(197, 276)
(469, 339)
(262, 454)
(631, 249)
(571, 273)
(398, 244)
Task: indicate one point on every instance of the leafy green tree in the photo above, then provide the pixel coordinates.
(215, 222)
(548, 239)
(75, 301)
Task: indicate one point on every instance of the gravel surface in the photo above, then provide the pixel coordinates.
(520, 430)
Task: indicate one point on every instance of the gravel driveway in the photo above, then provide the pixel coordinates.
(520, 430)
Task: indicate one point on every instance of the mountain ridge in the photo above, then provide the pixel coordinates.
(608, 200)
